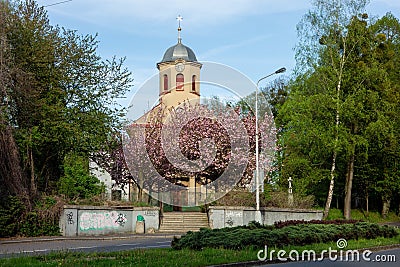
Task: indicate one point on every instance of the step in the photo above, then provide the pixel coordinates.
(183, 221)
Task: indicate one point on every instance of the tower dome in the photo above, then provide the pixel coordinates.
(179, 51)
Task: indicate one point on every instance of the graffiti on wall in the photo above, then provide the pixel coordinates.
(233, 217)
(70, 217)
(230, 221)
(121, 220)
(101, 220)
(150, 213)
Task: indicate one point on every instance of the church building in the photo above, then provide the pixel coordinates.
(179, 82)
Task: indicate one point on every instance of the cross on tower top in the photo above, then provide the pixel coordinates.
(179, 18)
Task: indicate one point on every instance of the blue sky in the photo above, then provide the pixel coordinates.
(255, 37)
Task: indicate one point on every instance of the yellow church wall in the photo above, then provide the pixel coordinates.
(173, 97)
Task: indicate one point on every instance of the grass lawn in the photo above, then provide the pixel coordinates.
(372, 216)
(170, 257)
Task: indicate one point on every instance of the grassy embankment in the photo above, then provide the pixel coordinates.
(372, 216)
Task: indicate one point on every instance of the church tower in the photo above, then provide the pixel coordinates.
(179, 75)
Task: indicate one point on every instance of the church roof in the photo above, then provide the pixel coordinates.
(179, 51)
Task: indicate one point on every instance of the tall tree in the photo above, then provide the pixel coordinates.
(325, 43)
(12, 175)
(62, 96)
(339, 95)
(384, 133)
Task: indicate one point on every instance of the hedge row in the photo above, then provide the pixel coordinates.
(282, 224)
(302, 234)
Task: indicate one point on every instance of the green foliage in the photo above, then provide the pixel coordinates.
(11, 213)
(77, 181)
(33, 225)
(341, 118)
(59, 97)
(42, 220)
(335, 214)
(244, 237)
(282, 224)
(372, 216)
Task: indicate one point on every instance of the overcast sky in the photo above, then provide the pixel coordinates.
(256, 37)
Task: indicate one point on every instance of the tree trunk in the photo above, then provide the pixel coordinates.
(33, 189)
(140, 194)
(140, 186)
(12, 177)
(348, 187)
(11, 173)
(367, 202)
(337, 122)
(331, 186)
(398, 210)
(385, 206)
(333, 167)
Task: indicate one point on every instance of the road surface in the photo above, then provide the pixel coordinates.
(18, 248)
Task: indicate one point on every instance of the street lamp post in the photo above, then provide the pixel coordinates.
(258, 212)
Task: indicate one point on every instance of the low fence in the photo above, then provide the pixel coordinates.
(100, 220)
(224, 216)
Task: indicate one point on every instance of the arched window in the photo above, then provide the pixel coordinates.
(179, 81)
(194, 83)
(165, 82)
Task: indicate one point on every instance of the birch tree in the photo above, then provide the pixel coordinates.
(324, 39)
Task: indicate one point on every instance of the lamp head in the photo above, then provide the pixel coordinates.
(281, 70)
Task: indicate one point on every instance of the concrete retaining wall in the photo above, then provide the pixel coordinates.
(99, 220)
(224, 216)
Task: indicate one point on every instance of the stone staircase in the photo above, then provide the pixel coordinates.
(182, 222)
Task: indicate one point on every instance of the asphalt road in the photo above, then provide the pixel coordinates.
(18, 248)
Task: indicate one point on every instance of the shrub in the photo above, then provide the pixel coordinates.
(43, 220)
(11, 213)
(301, 234)
(281, 224)
(77, 181)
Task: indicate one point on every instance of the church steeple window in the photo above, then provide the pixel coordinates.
(194, 83)
(179, 81)
(165, 82)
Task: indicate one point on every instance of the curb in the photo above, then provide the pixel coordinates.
(51, 239)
